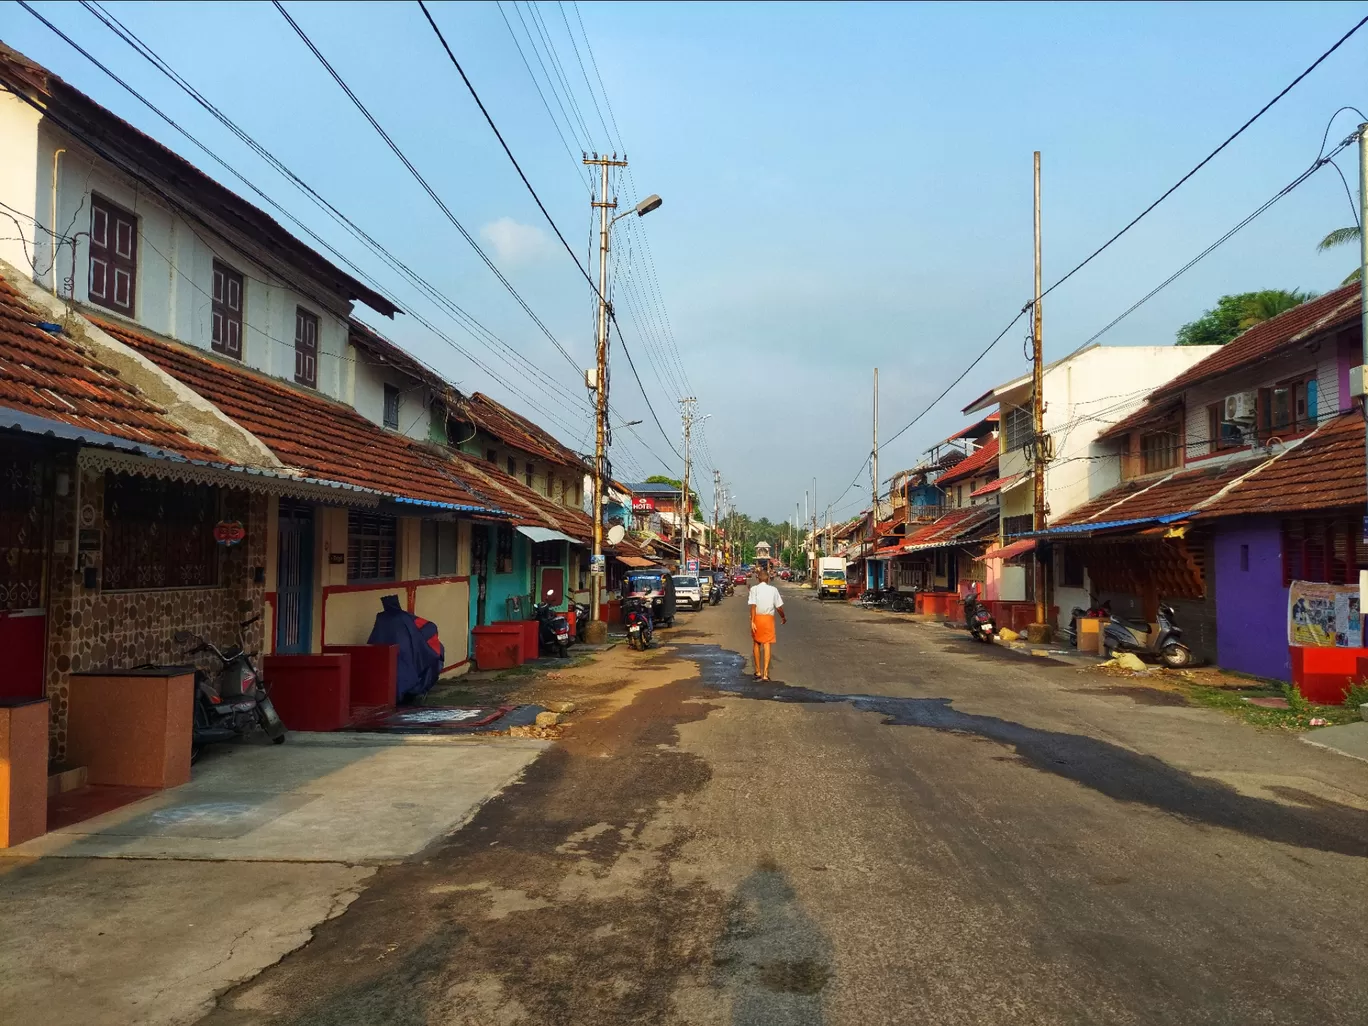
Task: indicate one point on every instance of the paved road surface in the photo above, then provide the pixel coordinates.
(908, 829)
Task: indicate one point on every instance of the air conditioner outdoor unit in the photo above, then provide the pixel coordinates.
(1240, 408)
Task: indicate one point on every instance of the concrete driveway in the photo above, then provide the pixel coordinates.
(144, 914)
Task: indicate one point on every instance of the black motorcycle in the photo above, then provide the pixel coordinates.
(636, 615)
(235, 701)
(978, 618)
(716, 594)
(553, 631)
(581, 621)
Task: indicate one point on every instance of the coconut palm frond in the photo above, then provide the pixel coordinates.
(1340, 237)
(1355, 275)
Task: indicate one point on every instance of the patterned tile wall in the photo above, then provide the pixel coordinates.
(90, 629)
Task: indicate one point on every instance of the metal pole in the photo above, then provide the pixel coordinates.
(717, 487)
(684, 524)
(1363, 302)
(1038, 409)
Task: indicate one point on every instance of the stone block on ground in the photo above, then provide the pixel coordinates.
(549, 719)
(561, 707)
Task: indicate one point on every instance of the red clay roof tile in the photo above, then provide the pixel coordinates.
(53, 376)
(978, 461)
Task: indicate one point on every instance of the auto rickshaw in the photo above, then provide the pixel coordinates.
(655, 587)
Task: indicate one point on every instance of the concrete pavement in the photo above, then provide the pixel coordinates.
(902, 829)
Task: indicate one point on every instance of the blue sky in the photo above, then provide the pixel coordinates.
(845, 187)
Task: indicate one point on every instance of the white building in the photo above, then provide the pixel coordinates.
(1085, 393)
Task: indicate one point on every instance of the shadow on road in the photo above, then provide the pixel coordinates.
(772, 956)
(1109, 769)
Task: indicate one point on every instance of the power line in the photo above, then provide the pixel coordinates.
(424, 183)
(1208, 158)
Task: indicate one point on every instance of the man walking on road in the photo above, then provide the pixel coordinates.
(765, 601)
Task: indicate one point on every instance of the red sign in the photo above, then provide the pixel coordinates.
(229, 532)
(641, 504)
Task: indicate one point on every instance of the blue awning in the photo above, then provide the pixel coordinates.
(1091, 526)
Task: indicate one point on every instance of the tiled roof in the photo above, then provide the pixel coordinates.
(994, 485)
(950, 527)
(1332, 310)
(1326, 471)
(1153, 497)
(516, 430)
(529, 508)
(53, 376)
(308, 431)
(1149, 413)
(982, 458)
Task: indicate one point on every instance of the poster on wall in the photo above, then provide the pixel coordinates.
(1324, 615)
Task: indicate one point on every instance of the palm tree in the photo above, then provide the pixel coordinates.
(1343, 237)
(1266, 304)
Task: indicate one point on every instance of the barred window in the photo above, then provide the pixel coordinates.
(158, 534)
(370, 547)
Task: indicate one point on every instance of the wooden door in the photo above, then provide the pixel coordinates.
(552, 580)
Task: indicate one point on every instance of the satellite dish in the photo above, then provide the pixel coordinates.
(616, 533)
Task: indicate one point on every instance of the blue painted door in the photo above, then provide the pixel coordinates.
(294, 579)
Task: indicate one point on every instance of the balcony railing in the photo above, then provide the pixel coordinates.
(1014, 526)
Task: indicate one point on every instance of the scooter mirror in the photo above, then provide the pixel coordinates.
(550, 593)
(181, 637)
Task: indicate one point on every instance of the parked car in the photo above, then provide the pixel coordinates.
(739, 578)
(688, 591)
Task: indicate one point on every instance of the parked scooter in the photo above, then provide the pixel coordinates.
(637, 616)
(235, 702)
(1165, 644)
(581, 621)
(1098, 612)
(553, 631)
(715, 595)
(979, 618)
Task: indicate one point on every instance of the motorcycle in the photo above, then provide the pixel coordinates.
(1165, 644)
(581, 621)
(637, 616)
(715, 595)
(235, 701)
(553, 631)
(1070, 633)
(978, 618)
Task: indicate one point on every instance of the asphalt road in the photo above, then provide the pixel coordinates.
(904, 827)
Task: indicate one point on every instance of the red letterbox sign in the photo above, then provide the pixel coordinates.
(229, 532)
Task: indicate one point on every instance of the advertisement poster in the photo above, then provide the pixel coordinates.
(1324, 615)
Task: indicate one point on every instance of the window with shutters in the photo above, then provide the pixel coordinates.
(1325, 549)
(391, 407)
(527, 474)
(370, 547)
(1160, 450)
(227, 312)
(512, 465)
(306, 347)
(1016, 428)
(113, 256)
(1221, 433)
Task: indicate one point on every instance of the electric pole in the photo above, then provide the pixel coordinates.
(1038, 446)
(1363, 302)
(873, 566)
(687, 412)
(596, 565)
(717, 490)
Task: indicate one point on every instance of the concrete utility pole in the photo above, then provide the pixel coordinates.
(1363, 302)
(596, 565)
(717, 490)
(687, 412)
(1038, 445)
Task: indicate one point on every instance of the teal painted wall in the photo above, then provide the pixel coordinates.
(498, 587)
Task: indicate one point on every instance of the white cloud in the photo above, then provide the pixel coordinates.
(515, 243)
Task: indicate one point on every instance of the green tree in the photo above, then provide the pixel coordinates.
(675, 482)
(1238, 313)
(1343, 237)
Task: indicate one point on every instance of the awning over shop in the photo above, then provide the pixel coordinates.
(993, 486)
(636, 562)
(1101, 526)
(545, 534)
(1016, 548)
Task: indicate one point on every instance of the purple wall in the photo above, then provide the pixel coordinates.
(1251, 605)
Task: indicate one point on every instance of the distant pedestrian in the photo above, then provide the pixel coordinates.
(765, 603)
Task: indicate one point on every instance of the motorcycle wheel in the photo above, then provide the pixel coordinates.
(1175, 656)
(563, 650)
(270, 720)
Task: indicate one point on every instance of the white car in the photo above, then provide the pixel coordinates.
(688, 591)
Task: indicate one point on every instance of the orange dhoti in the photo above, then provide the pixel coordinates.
(762, 629)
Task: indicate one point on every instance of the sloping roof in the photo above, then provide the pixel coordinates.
(139, 154)
(52, 376)
(994, 485)
(308, 431)
(516, 430)
(1326, 471)
(1148, 413)
(977, 462)
(982, 424)
(1332, 310)
(383, 351)
(951, 528)
(1146, 498)
(653, 488)
(528, 507)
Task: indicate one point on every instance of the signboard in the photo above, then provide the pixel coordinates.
(598, 564)
(229, 532)
(693, 566)
(1324, 615)
(642, 504)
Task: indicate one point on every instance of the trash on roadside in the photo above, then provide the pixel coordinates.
(1007, 634)
(1319, 721)
(1127, 661)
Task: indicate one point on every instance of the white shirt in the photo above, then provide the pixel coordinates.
(765, 598)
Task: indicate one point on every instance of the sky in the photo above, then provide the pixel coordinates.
(845, 187)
